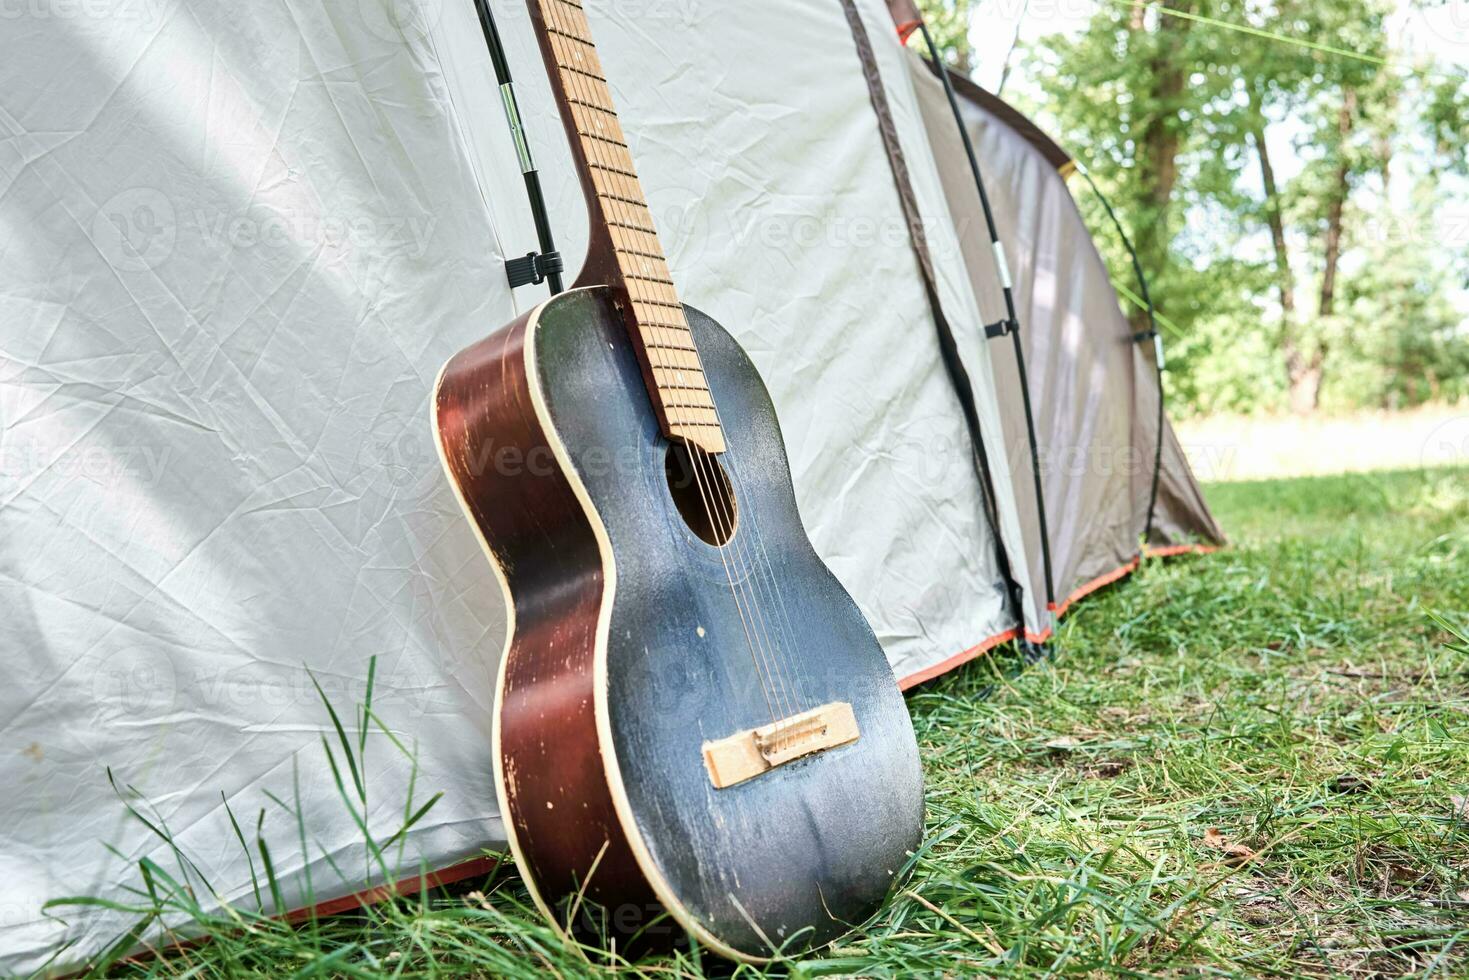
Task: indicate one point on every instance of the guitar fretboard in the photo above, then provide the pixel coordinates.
(671, 364)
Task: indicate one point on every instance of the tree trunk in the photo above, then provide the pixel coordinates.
(1160, 142)
(1303, 370)
(1308, 370)
(1160, 137)
(1340, 190)
(1306, 374)
(1285, 279)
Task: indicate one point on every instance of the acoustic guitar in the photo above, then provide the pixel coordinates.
(696, 733)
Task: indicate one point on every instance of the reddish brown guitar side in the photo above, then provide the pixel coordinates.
(545, 729)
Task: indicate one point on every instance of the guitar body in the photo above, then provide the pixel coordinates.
(635, 642)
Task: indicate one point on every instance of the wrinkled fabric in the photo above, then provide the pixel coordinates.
(237, 242)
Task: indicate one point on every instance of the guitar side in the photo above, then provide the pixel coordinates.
(525, 510)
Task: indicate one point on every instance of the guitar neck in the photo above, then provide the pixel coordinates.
(624, 251)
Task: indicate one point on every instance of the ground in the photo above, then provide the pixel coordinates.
(1253, 763)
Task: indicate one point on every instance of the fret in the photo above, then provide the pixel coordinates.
(574, 58)
(631, 242)
(646, 229)
(672, 338)
(618, 187)
(652, 267)
(657, 323)
(672, 335)
(606, 173)
(657, 281)
(596, 118)
(671, 379)
(652, 296)
(611, 148)
(676, 359)
(611, 143)
(587, 93)
(591, 76)
(624, 240)
(613, 157)
(573, 50)
(671, 319)
(665, 319)
(696, 416)
(599, 117)
(692, 396)
(569, 19)
(613, 198)
(656, 344)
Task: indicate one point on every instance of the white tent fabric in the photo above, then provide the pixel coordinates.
(237, 241)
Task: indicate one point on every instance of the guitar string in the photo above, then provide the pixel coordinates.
(731, 518)
(718, 489)
(734, 577)
(774, 580)
(760, 638)
(749, 564)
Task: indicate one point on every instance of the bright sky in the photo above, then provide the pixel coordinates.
(1442, 32)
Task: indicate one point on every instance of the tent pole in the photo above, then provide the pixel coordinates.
(533, 268)
(1011, 324)
(1151, 334)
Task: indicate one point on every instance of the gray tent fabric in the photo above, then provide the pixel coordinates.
(1094, 388)
(1181, 521)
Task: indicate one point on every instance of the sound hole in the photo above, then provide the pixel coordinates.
(702, 493)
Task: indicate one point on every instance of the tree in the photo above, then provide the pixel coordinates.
(1135, 97)
(1180, 119)
(948, 21)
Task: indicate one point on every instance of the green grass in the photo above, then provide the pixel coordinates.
(1294, 694)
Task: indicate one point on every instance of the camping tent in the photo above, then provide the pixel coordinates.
(238, 243)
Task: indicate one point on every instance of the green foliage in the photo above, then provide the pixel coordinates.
(1304, 695)
(948, 21)
(1171, 115)
(1411, 348)
(1446, 118)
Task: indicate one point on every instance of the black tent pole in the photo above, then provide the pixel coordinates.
(1011, 323)
(1150, 334)
(533, 268)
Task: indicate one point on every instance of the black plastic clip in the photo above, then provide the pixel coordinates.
(1143, 336)
(533, 269)
(995, 330)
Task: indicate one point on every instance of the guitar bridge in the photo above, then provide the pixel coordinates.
(750, 753)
